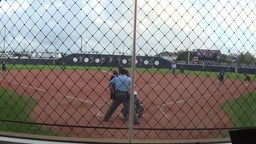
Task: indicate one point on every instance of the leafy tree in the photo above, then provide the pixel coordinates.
(247, 58)
(183, 55)
(223, 58)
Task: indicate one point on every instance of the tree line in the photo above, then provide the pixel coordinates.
(246, 58)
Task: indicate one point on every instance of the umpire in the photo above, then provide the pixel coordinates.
(121, 84)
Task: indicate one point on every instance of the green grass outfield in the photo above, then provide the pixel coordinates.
(228, 75)
(15, 107)
(242, 110)
(15, 114)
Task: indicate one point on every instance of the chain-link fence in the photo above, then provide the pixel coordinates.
(194, 74)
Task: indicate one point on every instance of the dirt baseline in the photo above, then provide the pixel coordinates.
(173, 103)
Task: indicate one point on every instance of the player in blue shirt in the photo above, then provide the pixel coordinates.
(122, 85)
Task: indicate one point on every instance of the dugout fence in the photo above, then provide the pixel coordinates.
(60, 56)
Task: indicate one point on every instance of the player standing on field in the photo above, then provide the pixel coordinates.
(4, 67)
(112, 87)
(139, 108)
(122, 85)
(221, 76)
(247, 77)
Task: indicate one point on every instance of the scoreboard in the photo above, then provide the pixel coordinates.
(206, 55)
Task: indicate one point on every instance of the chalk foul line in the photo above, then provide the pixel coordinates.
(78, 99)
(27, 86)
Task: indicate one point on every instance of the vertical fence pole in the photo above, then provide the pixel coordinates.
(133, 66)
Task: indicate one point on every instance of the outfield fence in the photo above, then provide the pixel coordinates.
(174, 51)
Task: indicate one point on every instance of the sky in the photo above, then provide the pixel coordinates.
(107, 26)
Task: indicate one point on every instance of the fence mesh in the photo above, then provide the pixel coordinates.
(195, 66)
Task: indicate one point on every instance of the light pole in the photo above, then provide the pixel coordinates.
(188, 58)
(4, 38)
(81, 48)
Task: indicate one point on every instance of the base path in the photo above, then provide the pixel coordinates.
(76, 102)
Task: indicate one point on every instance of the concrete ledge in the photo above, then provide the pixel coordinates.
(97, 140)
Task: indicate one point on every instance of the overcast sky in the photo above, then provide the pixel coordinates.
(107, 26)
